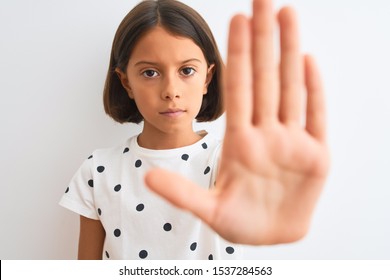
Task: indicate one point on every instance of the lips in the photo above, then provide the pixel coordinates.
(174, 112)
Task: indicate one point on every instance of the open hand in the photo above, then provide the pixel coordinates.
(275, 158)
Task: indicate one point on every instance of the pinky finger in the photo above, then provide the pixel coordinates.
(315, 112)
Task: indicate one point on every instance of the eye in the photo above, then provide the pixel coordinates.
(150, 73)
(188, 71)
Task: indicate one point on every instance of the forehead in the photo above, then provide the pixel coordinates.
(158, 45)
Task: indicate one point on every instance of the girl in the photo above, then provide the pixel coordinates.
(257, 187)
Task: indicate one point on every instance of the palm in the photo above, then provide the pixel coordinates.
(272, 167)
(269, 193)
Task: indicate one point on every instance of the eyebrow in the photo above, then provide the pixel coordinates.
(155, 63)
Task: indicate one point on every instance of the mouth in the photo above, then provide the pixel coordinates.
(173, 112)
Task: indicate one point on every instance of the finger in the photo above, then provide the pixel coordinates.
(265, 75)
(238, 79)
(291, 68)
(315, 111)
(182, 193)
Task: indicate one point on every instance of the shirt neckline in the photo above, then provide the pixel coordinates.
(199, 145)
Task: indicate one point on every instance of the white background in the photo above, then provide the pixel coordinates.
(53, 60)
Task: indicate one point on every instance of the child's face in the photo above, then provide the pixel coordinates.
(167, 77)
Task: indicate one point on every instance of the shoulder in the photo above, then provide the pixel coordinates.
(112, 152)
(209, 141)
(209, 149)
(212, 144)
(106, 159)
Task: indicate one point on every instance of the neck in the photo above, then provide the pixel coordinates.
(159, 140)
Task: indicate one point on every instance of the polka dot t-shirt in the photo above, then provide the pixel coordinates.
(109, 186)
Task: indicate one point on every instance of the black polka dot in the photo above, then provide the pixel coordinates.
(100, 169)
(91, 156)
(229, 250)
(167, 227)
(143, 254)
(140, 207)
(117, 188)
(107, 255)
(99, 211)
(138, 163)
(207, 170)
(90, 183)
(185, 157)
(117, 232)
(126, 150)
(204, 146)
(67, 190)
(211, 257)
(193, 246)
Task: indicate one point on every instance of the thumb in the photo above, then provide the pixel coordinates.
(182, 193)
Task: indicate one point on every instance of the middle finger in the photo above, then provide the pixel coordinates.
(265, 73)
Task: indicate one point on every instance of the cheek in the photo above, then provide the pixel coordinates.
(143, 98)
(196, 101)
(142, 91)
(198, 85)
(144, 101)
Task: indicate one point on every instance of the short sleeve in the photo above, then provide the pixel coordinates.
(79, 195)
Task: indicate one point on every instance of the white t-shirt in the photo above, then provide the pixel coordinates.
(109, 186)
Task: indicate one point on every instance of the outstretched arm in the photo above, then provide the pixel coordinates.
(274, 159)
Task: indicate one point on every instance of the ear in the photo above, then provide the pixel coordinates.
(124, 81)
(209, 77)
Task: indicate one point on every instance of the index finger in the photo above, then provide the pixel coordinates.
(238, 78)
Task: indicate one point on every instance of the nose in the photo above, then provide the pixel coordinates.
(170, 89)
